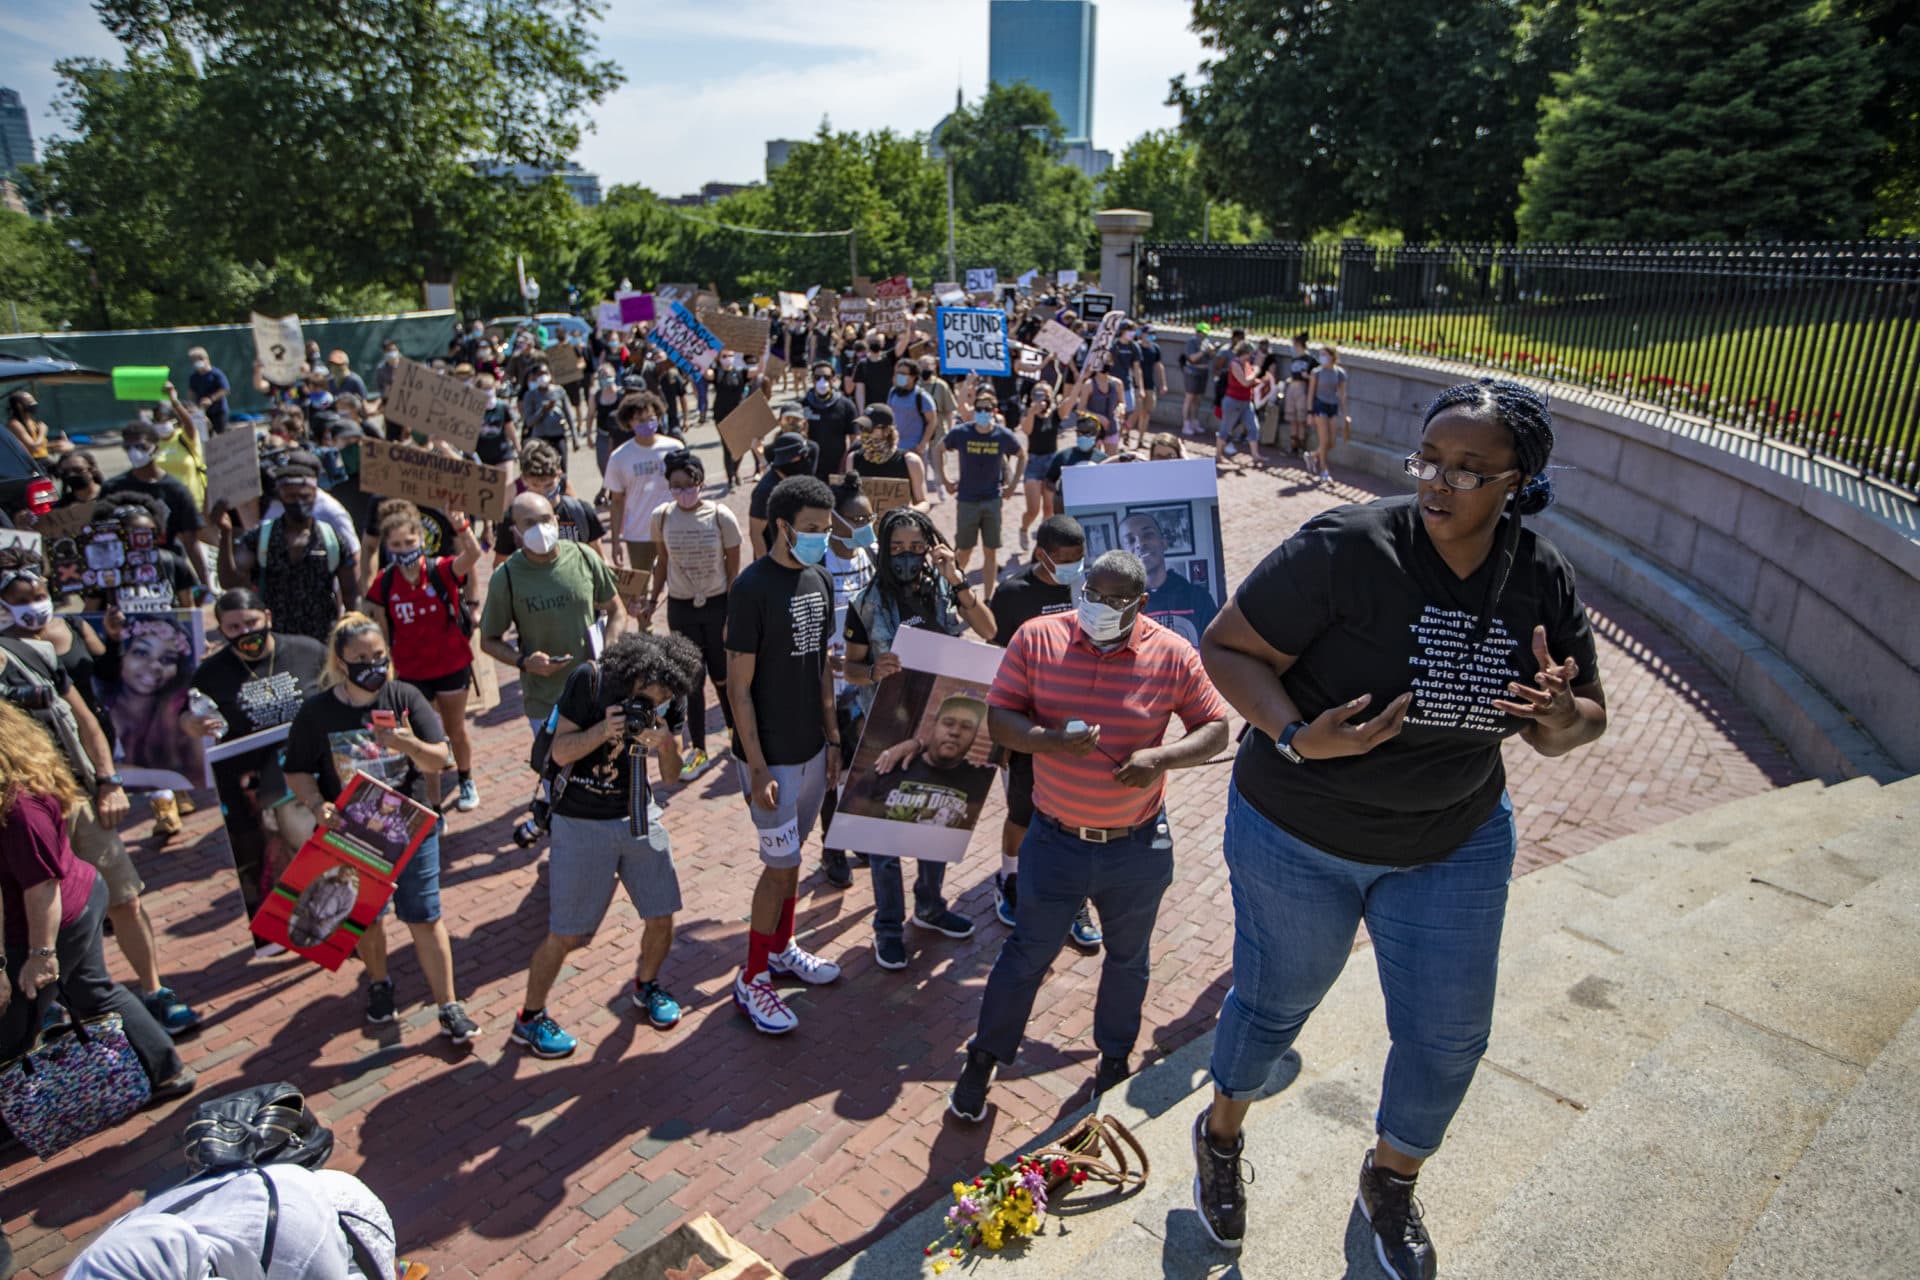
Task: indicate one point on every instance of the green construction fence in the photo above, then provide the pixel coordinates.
(82, 410)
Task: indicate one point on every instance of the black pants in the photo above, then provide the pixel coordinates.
(849, 742)
(704, 626)
(87, 992)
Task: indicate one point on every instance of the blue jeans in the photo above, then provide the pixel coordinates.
(1058, 872)
(1436, 938)
(416, 894)
(890, 895)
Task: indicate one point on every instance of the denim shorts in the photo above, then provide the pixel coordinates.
(588, 856)
(1037, 464)
(1326, 408)
(416, 894)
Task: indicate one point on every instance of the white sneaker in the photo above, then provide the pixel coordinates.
(760, 1002)
(796, 961)
(1229, 450)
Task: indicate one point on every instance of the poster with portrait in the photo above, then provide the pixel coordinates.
(336, 885)
(925, 765)
(143, 689)
(1168, 514)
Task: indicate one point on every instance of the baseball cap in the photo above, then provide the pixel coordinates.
(789, 447)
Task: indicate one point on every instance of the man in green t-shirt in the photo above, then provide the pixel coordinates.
(548, 592)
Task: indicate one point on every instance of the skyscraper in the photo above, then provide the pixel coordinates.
(16, 136)
(1049, 45)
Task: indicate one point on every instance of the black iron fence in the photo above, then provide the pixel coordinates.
(1817, 345)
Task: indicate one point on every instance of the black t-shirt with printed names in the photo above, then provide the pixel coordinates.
(598, 783)
(1364, 602)
(253, 696)
(781, 616)
(330, 734)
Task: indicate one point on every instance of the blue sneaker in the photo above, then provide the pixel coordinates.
(543, 1036)
(1006, 897)
(651, 998)
(1086, 934)
(173, 1015)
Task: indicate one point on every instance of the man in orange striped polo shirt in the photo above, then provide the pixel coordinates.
(1088, 695)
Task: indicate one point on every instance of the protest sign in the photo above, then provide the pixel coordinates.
(886, 492)
(635, 308)
(65, 522)
(668, 293)
(253, 807)
(705, 300)
(1168, 514)
(925, 763)
(776, 369)
(233, 467)
(431, 479)
(160, 654)
(22, 540)
(564, 363)
(607, 318)
(762, 301)
(1065, 278)
(1059, 341)
(973, 340)
(745, 334)
(863, 287)
(1099, 349)
(1026, 361)
(982, 279)
(685, 340)
(486, 681)
(748, 424)
(435, 404)
(631, 584)
(948, 294)
(281, 350)
(793, 306)
(1095, 305)
(1027, 278)
(892, 297)
(342, 877)
(851, 311)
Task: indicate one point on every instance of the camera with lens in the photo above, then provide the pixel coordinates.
(25, 694)
(640, 715)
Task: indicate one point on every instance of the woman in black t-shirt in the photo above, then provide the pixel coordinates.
(1381, 655)
(1041, 427)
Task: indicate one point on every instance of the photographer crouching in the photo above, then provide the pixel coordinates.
(606, 824)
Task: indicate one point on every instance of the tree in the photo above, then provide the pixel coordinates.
(42, 282)
(1706, 119)
(1006, 149)
(1160, 173)
(1413, 115)
(1893, 114)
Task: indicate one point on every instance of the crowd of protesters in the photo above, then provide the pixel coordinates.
(1350, 799)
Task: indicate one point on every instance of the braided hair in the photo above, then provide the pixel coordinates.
(1523, 412)
(883, 576)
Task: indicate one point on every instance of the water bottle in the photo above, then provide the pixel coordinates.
(201, 705)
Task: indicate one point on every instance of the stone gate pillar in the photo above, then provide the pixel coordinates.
(1122, 232)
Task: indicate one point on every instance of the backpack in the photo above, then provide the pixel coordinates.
(553, 777)
(262, 1124)
(328, 539)
(450, 600)
(23, 666)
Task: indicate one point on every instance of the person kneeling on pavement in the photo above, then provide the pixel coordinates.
(606, 824)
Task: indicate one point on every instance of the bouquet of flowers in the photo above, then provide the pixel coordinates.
(1003, 1204)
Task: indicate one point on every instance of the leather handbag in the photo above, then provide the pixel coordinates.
(1094, 1150)
(77, 1079)
(262, 1124)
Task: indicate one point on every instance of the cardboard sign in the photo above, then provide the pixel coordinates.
(684, 340)
(776, 369)
(1102, 344)
(631, 584)
(21, 540)
(1095, 305)
(486, 681)
(1059, 341)
(973, 340)
(1065, 278)
(66, 522)
(793, 306)
(635, 308)
(436, 480)
(851, 311)
(982, 279)
(564, 361)
(748, 425)
(281, 350)
(705, 300)
(233, 467)
(885, 493)
(745, 334)
(863, 287)
(1026, 361)
(435, 404)
(607, 319)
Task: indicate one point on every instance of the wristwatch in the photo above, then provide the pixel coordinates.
(1284, 743)
(43, 953)
(520, 663)
(108, 780)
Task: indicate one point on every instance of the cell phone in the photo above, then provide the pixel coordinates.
(1076, 726)
(384, 720)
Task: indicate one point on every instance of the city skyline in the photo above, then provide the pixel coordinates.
(779, 82)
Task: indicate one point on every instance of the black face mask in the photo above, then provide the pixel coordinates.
(909, 567)
(410, 556)
(251, 645)
(369, 676)
(301, 510)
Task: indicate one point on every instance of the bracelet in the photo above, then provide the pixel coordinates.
(43, 953)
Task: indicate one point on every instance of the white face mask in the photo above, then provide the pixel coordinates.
(541, 538)
(392, 357)
(822, 386)
(201, 366)
(32, 617)
(542, 380)
(138, 458)
(167, 429)
(1101, 623)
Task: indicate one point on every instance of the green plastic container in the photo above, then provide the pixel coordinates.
(140, 382)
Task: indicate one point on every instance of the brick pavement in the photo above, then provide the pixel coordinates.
(806, 1147)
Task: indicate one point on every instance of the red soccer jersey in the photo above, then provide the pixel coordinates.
(427, 642)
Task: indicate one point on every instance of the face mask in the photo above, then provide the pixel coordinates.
(493, 400)
(1102, 623)
(1086, 444)
(201, 366)
(877, 450)
(302, 510)
(138, 458)
(391, 357)
(901, 380)
(645, 427)
(368, 675)
(689, 499)
(822, 386)
(864, 537)
(541, 538)
(410, 556)
(167, 430)
(1067, 575)
(736, 363)
(982, 418)
(908, 566)
(809, 548)
(606, 379)
(542, 380)
(251, 645)
(32, 617)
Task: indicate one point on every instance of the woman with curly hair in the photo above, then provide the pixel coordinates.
(607, 825)
(53, 905)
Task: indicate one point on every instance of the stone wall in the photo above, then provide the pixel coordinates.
(1797, 583)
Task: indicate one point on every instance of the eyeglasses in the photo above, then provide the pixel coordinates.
(1112, 602)
(1455, 478)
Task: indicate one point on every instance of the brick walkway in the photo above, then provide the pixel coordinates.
(498, 1165)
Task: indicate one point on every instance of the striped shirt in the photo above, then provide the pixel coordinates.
(1052, 674)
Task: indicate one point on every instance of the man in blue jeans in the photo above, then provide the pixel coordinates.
(1089, 695)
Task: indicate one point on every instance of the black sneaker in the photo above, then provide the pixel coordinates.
(380, 1001)
(834, 863)
(890, 953)
(1112, 1073)
(1400, 1238)
(455, 1025)
(1219, 1186)
(968, 1099)
(1006, 897)
(951, 923)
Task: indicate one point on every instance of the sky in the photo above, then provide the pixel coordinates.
(707, 86)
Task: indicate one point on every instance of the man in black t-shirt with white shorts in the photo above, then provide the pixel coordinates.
(786, 740)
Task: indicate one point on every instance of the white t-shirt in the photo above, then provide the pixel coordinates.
(697, 542)
(638, 471)
(850, 578)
